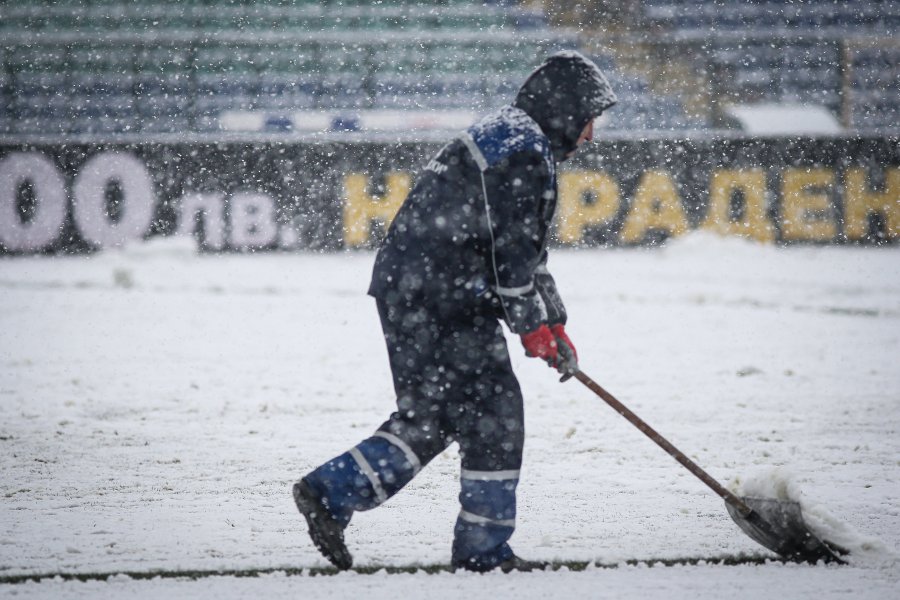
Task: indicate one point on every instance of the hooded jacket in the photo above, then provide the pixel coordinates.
(562, 96)
(472, 235)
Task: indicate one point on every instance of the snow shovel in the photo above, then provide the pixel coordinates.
(776, 524)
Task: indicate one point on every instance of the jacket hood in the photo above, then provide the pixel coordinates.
(563, 95)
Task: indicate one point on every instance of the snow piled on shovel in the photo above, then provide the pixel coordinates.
(780, 483)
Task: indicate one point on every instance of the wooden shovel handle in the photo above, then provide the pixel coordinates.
(663, 443)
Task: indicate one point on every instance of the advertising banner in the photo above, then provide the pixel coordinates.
(243, 196)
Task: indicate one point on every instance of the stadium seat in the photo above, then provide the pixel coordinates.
(168, 65)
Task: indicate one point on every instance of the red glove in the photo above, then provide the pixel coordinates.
(559, 332)
(554, 346)
(568, 356)
(541, 343)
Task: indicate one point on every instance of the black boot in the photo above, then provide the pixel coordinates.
(326, 533)
(515, 563)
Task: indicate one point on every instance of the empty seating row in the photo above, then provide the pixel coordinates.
(841, 55)
(427, 57)
(875, 81)
(708, 16)
(375, 18)
(166, 65)
(263, 4)
(778, 70)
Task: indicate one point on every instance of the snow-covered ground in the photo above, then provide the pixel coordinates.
(156, 405)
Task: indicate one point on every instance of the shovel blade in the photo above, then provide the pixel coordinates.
(779, 526)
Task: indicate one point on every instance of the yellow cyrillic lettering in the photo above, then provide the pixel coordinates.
(807, 214)
(656, 206)
(360, 209)
(752, 221)
(860, 202)
(586, 199)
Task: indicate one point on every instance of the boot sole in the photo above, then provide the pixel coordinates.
(324, 531)
(517, 565)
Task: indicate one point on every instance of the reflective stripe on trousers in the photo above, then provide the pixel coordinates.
(487, 518)
(365, 476)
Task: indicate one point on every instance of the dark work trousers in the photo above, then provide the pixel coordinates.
(454, 383)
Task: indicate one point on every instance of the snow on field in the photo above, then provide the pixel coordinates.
(156, 405)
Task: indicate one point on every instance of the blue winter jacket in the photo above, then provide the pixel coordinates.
(473, 231)
(472, 235)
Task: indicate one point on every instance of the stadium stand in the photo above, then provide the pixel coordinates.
(840, 55)
(119, 66)
(775, 17)
(875, 87)
(109, 66)
(156, 66)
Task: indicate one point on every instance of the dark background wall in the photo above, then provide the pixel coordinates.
(245, 196)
